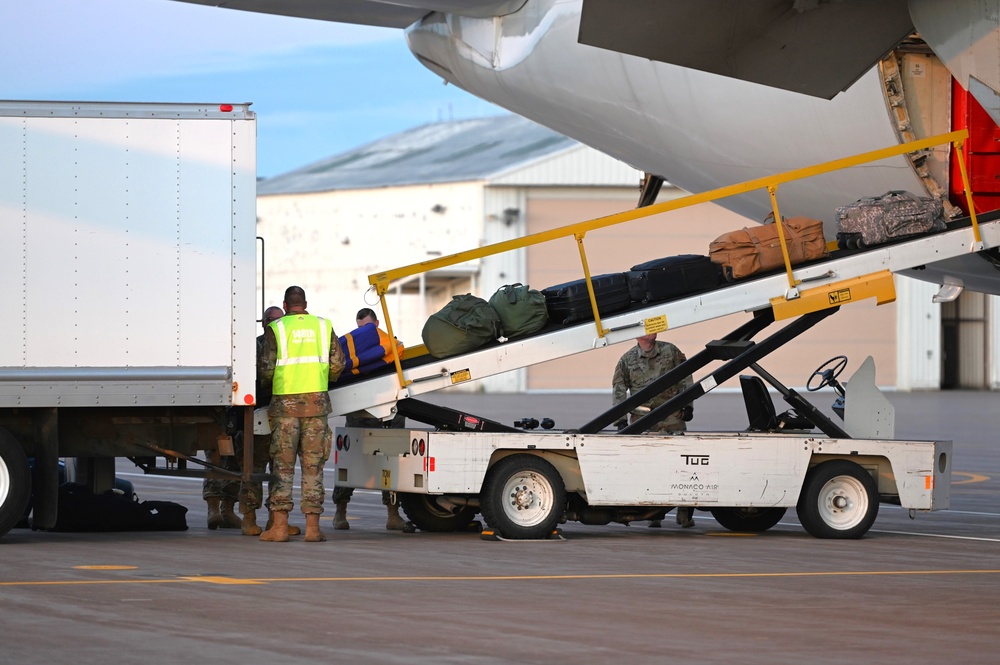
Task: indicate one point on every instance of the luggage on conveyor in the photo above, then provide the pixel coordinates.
(879, 219)
(521, 310)
(464, 324)
(758, 249)
(570, 302)
(367, 349)
(672, 276)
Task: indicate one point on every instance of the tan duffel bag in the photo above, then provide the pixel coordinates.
(758, 249)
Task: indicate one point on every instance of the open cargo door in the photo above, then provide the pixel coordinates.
(982, 153)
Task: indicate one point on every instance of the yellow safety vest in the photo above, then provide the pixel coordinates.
(303, 361)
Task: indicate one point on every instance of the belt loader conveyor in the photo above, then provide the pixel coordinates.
(525, 483)
(848, 275)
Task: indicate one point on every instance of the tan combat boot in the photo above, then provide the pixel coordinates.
(214, 513)
(230, 520)
(279, 532)
(395, 522)
(292, 529)
(313, 533)
(340, 517)
(249, 524)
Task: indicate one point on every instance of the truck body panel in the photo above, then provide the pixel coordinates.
(127, 244)
(129, 265)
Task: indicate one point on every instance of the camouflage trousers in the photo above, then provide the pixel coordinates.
(670, 424)
(308, 439)
(222, 488)
(250, 495)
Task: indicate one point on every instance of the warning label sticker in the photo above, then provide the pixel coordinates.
(656, 324)
(839, 296)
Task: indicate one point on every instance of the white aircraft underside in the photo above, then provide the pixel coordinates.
(696, 125)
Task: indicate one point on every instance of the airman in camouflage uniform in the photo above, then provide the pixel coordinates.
(252, 493)
(641, 365)
(299, 426)
(221, 494)
(638, 367)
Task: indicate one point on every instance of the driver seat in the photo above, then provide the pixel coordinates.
(760, 409)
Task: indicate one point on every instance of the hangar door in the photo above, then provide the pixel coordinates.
(965, 338)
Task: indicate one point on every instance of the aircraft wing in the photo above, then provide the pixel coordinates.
(815, 47)
(394, 14)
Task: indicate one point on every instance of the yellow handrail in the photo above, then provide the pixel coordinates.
(381, 280)
(968, 191)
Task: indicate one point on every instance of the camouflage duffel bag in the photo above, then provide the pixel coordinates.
(878, 219)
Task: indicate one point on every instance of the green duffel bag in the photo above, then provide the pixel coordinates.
(463, 325)
(522, 310)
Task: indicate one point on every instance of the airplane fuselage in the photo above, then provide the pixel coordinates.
(698, 130)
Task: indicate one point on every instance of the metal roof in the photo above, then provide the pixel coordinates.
(452, 151)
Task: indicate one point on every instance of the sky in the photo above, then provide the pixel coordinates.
(318, 88)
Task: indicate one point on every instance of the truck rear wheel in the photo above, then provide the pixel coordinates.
(427, 515)
(523, 497)
(839, 500)
(15, 481)
(748, 519)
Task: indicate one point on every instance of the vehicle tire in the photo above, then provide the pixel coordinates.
(751, 520)
(15, 481)
(427, 515)
(523, 497)
(839, 500)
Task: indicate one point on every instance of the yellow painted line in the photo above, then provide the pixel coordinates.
(85, 582)
(972, 478)
(615, 576)
(105, 567)
(517, 578)
(220, 580)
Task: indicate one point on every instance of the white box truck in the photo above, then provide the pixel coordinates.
(129, 274)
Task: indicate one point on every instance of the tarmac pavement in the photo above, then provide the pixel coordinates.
(923, 590)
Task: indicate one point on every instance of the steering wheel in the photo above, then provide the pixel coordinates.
(827, 373)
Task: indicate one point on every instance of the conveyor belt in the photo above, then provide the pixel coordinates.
(377, 394)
